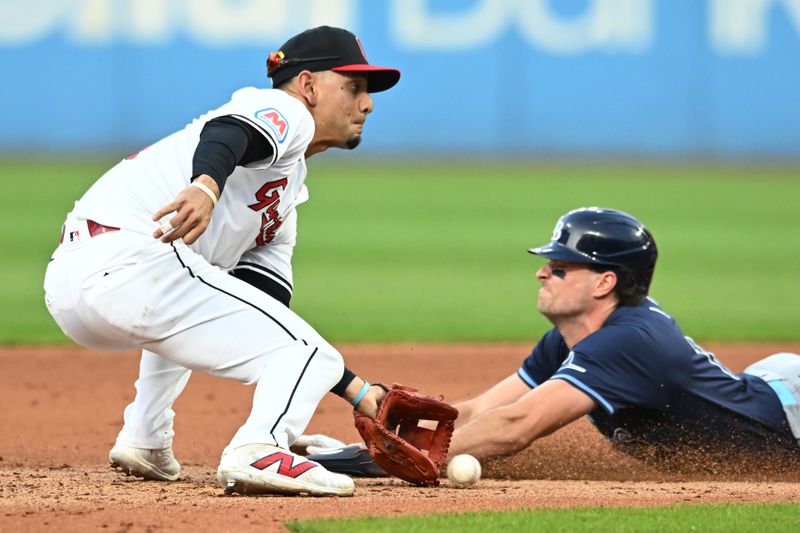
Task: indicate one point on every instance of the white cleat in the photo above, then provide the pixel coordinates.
(266, 469)
(158, 465)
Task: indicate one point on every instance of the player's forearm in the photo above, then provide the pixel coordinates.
(496, 433)
(506, 392)
(466, 412)
(511, 428)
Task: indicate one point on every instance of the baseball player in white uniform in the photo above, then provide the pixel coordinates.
(184, 250)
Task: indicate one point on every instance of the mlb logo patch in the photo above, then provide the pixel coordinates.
(275, 121)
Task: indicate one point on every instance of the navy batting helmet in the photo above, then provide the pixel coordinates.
(604, 237)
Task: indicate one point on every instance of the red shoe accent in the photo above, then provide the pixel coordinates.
(286, 467)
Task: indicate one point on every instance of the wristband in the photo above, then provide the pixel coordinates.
(206, 190)
(361, 394)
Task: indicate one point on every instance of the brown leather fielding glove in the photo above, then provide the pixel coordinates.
(398, 444)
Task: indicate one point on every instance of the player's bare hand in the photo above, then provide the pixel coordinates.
(369, 404)
(192, 210)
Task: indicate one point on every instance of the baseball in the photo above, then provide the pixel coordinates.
(463, 470)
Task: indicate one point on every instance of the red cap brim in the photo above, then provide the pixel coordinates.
(378, 78)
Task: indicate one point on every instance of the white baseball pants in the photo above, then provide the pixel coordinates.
(122, 290)
(781, 371)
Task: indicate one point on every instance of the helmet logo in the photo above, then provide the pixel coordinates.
(557, 230)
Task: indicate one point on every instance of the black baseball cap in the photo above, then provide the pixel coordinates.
(327, 48)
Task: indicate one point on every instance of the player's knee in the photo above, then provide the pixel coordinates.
(328, 362)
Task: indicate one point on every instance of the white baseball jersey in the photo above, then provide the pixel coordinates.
(255, 219)
(120, 289)
(126, 289)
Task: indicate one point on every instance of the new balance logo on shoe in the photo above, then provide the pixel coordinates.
(286, 466)
(267, 469)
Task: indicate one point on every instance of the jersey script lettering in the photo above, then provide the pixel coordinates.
(268, 196)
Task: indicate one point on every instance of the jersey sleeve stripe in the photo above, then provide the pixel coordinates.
(526, 378)
(264, 271)
(588, 390)
(264, 132)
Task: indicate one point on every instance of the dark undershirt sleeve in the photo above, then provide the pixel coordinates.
(226, 142)
(347, 377)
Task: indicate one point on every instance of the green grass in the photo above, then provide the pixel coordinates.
(38, 196)
(436, 251)
(741, 518)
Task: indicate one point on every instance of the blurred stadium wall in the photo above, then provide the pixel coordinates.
(663, 78)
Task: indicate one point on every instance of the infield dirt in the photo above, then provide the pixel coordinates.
(61, 408)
